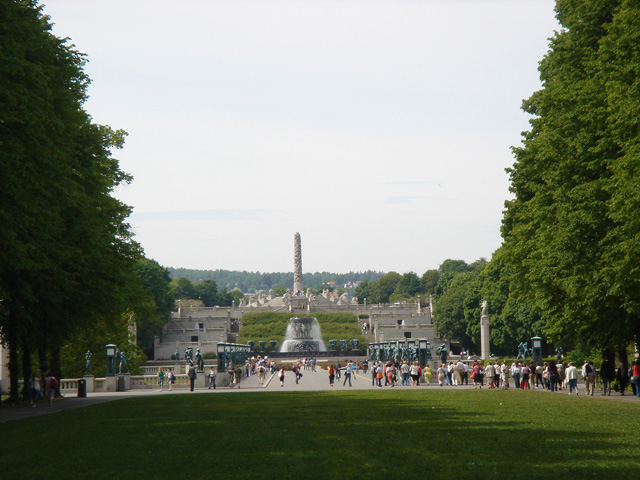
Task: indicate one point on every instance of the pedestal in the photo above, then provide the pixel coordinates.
(90, 379)
(127, 381)
(201, 380)
(110, 384)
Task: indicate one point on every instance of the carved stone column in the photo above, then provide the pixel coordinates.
(298, 286)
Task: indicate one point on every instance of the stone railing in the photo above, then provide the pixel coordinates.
(67, 384)
(151, 381)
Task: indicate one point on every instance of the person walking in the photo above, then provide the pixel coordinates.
(460, 372)
(160, 378)
(332, 375)
(589, 376)
(379, 374)
(442, 374)
(490, 372)
(34, 390)
(504, 376)
(374, 373)
(231, 374)
(212, 378)
(427, 374)
(572, 378)
(281, 376)
(171, 378)
(238, 374)
(261, 371)
(413, 373)
(390, 371)
(50, 385)
(608, 375)
(635, 376)
(347, 373)
(338, 369)
(405, 373)
(516, 371)
(477, 374)
(553, 377)
(526, 372)
(191, 373)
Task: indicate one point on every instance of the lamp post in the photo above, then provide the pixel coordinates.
(537, 349)
(111, 361)
(422, 344)
(221, 359)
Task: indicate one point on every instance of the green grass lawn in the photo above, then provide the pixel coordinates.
(386, 434)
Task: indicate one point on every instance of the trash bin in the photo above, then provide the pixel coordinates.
(120, 384)
(82, 388)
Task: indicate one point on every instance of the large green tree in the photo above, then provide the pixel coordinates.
(571, 232)
(66, 251)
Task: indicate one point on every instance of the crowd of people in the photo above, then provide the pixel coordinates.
(552, 376)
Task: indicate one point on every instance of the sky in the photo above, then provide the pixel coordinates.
(380, 130)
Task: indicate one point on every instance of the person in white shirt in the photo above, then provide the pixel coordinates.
(572, 378)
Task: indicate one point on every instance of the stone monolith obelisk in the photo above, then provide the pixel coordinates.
(298, 286)
(484, 332)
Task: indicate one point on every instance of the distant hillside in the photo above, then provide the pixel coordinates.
(248, 281)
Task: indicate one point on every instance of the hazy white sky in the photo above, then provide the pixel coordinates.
(378, 129)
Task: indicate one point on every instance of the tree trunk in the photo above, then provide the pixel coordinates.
(42, 357)
(14, 371)
(624, 359)
(26, 371)
(56, 368)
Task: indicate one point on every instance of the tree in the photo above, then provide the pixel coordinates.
(450, 320)
(570, 236)
(363, 291)
(67, 252)
(382, 289)
(207, 291)
(429, 281)
(184, 289)
(156, 303)
(446, 273)
(409, 285)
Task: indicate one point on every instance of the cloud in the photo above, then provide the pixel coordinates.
(221, 214)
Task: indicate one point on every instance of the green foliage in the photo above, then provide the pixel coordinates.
(156, 303)
(383, 288)
(254, 281)
(363, 291)
(207, 291)
(429, 281)
(183, 288)
(94, 337)
(67, 256)
(571, 232)
(409, 285)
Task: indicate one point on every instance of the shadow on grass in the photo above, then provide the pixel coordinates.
(347, 435)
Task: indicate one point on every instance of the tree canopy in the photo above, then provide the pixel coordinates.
(571, 233)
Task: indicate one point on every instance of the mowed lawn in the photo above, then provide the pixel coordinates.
(386, 434)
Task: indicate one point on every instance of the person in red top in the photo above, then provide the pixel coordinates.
(635, 376)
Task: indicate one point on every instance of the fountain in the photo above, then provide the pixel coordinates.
(303, 336)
